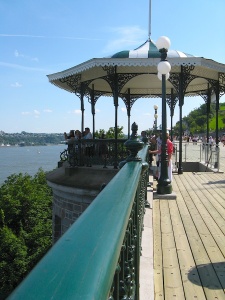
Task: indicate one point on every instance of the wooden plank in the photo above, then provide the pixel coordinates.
(215, 186)
(211, 228)
(213, 243)
(157, 239)
(185, 257)
(172, 277)
(192, 241)
(157, 250)
(197, 247)
(216, 190)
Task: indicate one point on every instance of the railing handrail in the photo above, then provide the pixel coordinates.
(82, 263)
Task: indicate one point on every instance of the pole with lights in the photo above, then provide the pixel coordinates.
(164, 185)
(156, 117)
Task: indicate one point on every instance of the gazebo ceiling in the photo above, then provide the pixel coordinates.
(136, 72)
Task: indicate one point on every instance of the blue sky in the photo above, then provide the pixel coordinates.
(42, 37)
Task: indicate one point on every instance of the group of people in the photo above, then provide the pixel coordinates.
(88, 147)
(71, 139)
(77, 135)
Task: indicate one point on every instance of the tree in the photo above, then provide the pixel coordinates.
(13, 260)
(110, 134)
(99, 133)
(197, 119)
(25, 226)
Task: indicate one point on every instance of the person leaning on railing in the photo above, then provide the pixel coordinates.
(70, 138)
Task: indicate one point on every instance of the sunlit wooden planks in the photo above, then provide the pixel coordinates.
(157, 252)
(202, 244)
(192, 240)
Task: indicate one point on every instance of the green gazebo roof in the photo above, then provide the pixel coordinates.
(148, 50)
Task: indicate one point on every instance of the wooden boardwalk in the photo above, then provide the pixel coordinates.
(189, 238)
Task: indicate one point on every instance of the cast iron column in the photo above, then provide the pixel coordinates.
(164, 184)
(181, 102)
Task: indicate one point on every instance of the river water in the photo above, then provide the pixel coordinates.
(28, 159)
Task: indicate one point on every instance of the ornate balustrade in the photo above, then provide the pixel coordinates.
(105, 152)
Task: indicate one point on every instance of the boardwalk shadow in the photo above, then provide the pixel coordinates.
(215, 182)
(210, 275)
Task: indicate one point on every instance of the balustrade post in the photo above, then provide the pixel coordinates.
(133, 145)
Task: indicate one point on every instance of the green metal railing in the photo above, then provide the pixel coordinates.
(95, 152)
(200, 152)
(99, 256)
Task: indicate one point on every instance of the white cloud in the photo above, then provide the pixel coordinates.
(47, 110)
(97, 110)
(127, 38)
(76, 112)
(147, 114)
(17, 54)
(16, 85)
(123, 109)
(25, 113)
(36, 112)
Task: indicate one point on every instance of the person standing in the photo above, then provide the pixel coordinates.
(170, 153)
(158, 154)
(144, 136)
(152, 147)
(77, 134)
(88, 134)
(89, 148)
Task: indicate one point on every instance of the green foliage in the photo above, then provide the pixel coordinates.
(25, 226)
(98, 133)
(13, 260)
(196, 121)
(110, 134)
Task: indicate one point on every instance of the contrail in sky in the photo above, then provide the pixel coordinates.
(15, 66)
(48, 37)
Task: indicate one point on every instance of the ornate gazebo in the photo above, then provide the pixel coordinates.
(131, 75)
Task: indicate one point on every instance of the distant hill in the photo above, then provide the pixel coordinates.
(30, 139)
(196, 121)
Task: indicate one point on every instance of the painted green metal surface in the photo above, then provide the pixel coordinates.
(82, 264)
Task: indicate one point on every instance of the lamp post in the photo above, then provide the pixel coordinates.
(164, 185)
(155, 116)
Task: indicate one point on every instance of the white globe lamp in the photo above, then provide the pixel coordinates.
(163, 42)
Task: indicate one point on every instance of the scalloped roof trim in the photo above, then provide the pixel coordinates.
(135, 62)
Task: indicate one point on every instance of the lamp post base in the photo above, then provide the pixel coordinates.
(164, 188)
(180, 170)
